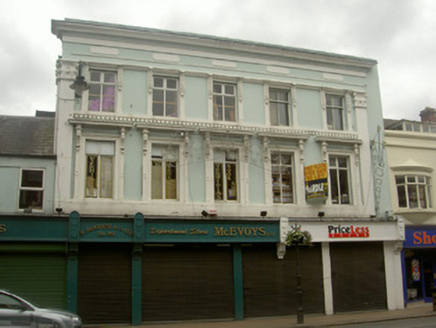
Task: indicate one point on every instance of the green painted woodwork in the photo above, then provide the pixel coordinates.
(39, 278)
(238, 282)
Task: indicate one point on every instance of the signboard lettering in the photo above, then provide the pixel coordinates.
(340, 231)
(315, 177)
(423, 238)
(3, 228)
(106, 230)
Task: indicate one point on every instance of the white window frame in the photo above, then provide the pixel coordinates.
(114, 84)
(427, 185)
(178, 172)
(237, 89)
(165, 89)
(277, 185)
(238, 176)
(335, 109)
(288, 103)
(113, 170)
(39, 189)
(352, 196)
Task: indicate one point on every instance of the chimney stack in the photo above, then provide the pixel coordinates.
(428, 115)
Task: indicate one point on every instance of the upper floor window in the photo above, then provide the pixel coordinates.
(335, 112)
(224, 102)
(164, 172)
(226, 175)
(102, 88)
(99, 169)
(340, 186)
(413, 191)
(279, 107)
(31, 189)
(165, 94)
(282, 178)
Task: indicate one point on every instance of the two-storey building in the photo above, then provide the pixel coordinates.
(183, 160)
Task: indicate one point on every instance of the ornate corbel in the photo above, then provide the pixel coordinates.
(246, 148)
(301, 146)
(356, 154)
(324, 151)
(266, 154)
(348, 102)
(144, 141)
(398, 247)
(359, 99)
(281, 250)
(122, 139)
(186, 145)
(78, 136)
(207, 145)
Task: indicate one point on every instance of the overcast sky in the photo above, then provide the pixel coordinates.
(399, 34)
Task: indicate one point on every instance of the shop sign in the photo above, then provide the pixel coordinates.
(316, 181)
(349, 231)
(211, 231)
(3, 228)
(94, 231)
(420, 237)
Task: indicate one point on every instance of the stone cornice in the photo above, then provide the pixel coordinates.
(212, 127)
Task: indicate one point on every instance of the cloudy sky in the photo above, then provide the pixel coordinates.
(399, 34)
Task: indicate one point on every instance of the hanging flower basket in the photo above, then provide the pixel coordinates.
(298, 238)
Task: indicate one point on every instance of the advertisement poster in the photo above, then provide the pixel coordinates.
(316, 181)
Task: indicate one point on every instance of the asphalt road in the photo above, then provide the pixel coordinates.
(425, 322)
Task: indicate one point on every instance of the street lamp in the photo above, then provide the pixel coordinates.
(299, 238)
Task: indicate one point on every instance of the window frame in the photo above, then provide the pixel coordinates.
(275, 186)
(165, 90)
(37, 189)
(341, 109)
(102, 84)
(222, 95)
(99, 172)
(164, 180)
(349, 176)
(427, 189)
(224, 164)
(288, 103)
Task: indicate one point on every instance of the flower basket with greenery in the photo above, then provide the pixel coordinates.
(298, 238)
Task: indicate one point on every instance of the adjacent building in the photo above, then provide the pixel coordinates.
(411, 151)
(182, 162)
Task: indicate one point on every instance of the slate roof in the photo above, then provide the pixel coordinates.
(26, 136)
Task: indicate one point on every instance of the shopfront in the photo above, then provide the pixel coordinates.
(133, 270)
(419, 263)
(360, 260)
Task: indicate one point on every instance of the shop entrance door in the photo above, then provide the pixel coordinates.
(428, 279)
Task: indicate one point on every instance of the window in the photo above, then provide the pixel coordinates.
(335, 109)
(226, 175)
(282, 180)
(31, 189)
(99, 169)
(164, 171)
(224, 102)
(102, 87)
(279, 107)
(165, 93)
(340, 187)
(413, 191)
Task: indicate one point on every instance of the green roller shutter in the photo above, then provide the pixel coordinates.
(37, 273)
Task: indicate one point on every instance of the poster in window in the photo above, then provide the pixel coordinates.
(316, 182)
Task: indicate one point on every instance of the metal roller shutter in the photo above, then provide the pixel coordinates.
(187, 282)
(104, 283)
(37, 274)
(358, 276)
(270, 283)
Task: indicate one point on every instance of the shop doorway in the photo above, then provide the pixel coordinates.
(420, 269)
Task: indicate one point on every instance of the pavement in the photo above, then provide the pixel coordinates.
(413, 310)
